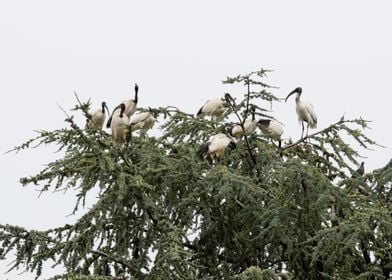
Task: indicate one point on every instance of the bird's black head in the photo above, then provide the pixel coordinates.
(296, 90)
(232, 145)
(264, 122)
(105, 106)
(122, 108)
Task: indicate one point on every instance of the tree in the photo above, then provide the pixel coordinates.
(258, 212)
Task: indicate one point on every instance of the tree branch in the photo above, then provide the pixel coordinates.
(301, 140)
(132, 269)
(242, 121)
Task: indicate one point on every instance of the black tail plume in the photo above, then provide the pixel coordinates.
(200, 111)
(203, 151)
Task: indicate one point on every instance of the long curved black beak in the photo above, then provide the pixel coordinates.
(290, 94)
(107, 109)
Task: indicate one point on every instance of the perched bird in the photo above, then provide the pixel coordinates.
(360, 171)
(248, 128)
(142, 121)
(272, 128)
(97, 117)
(216, 145)
(214, 108)
(130, 107)
(120, 124)
(305, 111)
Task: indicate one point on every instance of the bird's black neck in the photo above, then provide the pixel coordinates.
(136, 94)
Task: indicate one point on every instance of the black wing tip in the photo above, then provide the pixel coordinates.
(203, 151)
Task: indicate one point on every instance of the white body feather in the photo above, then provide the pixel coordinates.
(119, 127)
(214, 108)
(305, 112)
(274, 129)
(97, 119)
(218, 143)
(142, 121)
(130, 107)
(249, 127)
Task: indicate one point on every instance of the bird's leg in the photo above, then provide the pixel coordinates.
(129, 135)
(307, 129)
(303, 129)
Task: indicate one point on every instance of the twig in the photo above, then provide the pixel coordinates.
(249, 148)
(341, 121)
(247, 97)
(62, 109)
(88, 116)
(133, 270)
(239, 203)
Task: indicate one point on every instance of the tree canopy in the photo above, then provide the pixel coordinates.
(300, 211)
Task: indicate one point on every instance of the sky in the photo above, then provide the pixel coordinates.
(178, 52)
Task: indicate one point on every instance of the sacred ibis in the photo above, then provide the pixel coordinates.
(142, 121)
(119, 125)
(130, 107)
(304, 110)
(97, 117)
(216, 145)
(272, 128)
(214, 108)
(248, 128)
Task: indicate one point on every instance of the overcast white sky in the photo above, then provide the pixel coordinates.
(179, 52)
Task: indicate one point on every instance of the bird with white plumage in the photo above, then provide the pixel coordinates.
(247, 128)
(271, 128)
(214, 108)
(98, 117)
(119, 124)
(130, 107)
(216, 145)
(305, 111)
(142, 121)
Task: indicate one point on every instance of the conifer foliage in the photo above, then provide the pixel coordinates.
(257, 212)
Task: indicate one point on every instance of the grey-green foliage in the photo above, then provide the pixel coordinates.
(259, 212)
